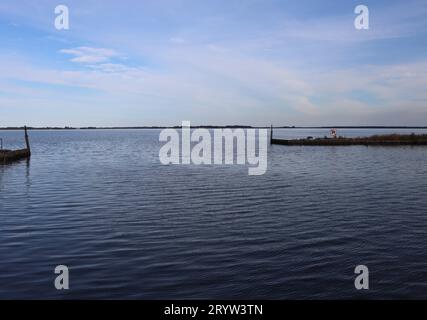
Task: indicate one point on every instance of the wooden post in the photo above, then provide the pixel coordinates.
(27, 142)
(271, 134)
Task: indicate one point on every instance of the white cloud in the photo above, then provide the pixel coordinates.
(90, 55)
(224, 88)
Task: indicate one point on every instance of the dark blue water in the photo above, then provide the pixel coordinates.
(101, 203)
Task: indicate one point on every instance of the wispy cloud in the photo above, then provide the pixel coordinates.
(90, 55)
(242, 88)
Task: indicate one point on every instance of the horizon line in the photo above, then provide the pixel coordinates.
(208, 127)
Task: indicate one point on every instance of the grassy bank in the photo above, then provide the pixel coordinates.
(386, 140)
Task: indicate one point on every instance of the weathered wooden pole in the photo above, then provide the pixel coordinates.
(27, 141)
(271, 134)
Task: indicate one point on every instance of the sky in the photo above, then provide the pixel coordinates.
(251, 62)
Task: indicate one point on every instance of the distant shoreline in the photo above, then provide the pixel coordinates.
(375, 140)
(212, 127)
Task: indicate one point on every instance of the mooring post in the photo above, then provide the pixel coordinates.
(27, 141)
(271, 134)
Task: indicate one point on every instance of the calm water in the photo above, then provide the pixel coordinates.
(127, 227)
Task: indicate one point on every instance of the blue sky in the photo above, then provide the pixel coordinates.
(256, 62)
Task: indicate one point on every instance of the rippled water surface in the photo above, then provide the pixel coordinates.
(101, 203)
